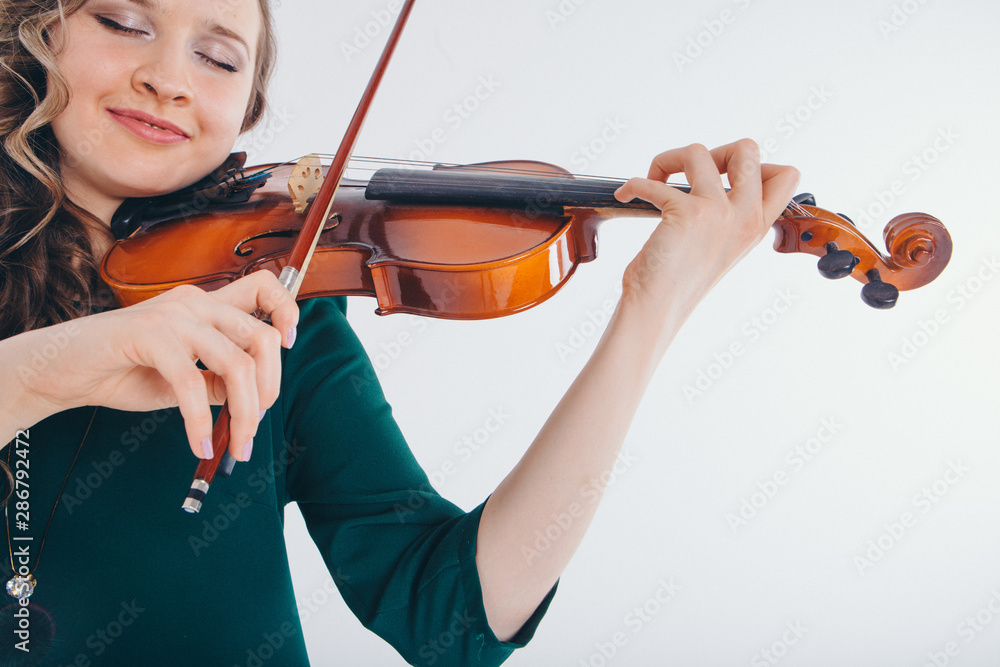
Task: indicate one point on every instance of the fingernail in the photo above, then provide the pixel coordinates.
(206, 448)
(247, 450)
(260, 417)
(291, 337)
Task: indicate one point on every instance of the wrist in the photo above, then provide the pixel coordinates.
(653, 320)
(24, 362)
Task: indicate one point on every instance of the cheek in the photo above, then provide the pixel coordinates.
(92, 64)
(223, 110)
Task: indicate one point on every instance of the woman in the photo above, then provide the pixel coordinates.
(105, 100)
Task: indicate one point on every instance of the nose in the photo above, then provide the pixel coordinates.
(165, 75)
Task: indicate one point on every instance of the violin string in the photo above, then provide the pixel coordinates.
(557, 176)
(356, 162)
(567, 184)
(537, 173)
(494, 168)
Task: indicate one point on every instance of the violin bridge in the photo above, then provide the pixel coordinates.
(305, 181)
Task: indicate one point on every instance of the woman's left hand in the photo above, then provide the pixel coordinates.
(703, 233)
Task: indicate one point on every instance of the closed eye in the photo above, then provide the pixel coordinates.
(118, 27)
(216, 63)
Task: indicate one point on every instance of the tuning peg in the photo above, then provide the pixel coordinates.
(837, 263)
(878, 294)
(807, 198)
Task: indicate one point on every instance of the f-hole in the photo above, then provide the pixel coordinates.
(245, 247)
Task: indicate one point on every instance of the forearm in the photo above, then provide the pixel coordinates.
(555, 488)
(702, 235)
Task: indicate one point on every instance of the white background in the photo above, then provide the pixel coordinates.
(849, 92)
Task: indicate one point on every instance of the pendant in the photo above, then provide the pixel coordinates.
(21, 587)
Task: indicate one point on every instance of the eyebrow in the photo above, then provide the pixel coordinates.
(212, 26)
(146, 4)
(223, 31)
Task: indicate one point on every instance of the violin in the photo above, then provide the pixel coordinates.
(451, 241)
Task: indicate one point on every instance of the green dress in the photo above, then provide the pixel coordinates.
(126, 577)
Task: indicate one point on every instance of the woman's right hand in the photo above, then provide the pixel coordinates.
(143, 358)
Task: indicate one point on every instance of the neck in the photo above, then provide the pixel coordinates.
(98, 231)
(101, 243)
(101, 207)
(88, 195)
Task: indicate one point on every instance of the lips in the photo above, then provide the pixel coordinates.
(149, 127)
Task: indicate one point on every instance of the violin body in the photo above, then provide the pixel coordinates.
(454, 261)
(463, 242)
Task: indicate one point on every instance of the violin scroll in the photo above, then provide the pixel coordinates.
(918, 244)
(917, 240)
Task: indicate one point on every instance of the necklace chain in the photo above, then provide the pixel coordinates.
(28, 582)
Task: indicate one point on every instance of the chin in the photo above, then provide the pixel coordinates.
(158, 181)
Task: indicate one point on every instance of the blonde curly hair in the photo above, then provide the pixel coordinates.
(48, 273)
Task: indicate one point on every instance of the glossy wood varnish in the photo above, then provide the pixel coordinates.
(456, 260)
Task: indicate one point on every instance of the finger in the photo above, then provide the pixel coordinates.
(239, 446)
(237, 371)
(191, 393)
(258, 339)
(262, 289)
(662, 196)
(740, 161)
(698, 165)
(241, 350)
(779, 185)
(233, 379)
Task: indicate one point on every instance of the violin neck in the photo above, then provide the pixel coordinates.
(503, 190)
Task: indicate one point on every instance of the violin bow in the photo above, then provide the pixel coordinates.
(298, 262)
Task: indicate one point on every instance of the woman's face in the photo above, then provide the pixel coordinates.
(186, 67)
